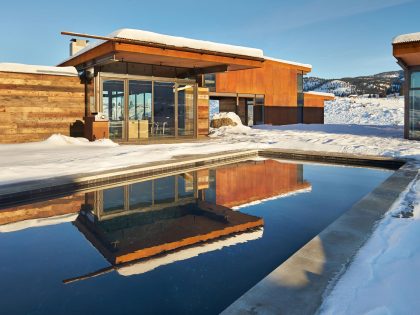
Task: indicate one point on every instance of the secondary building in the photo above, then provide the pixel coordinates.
(138, 86)
(406, 48)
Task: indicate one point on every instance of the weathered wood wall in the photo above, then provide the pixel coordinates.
(203, 112)
(35, 106)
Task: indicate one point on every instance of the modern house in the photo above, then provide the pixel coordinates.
(138, 86)
(406, 48)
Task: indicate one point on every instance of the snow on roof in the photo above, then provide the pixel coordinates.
(289, 62)
(183, 42)
(189, 252)
(406, 38)
(24, 68)
(320, 93)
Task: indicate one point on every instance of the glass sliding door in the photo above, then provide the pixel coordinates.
(113, 106)
(139, 109)
(163, 109)
(185, 110)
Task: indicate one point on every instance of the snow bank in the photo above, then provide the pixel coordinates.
(365, 111)
(230, 115)
(304, 65)
(384, 276)
(58, 140)
(320, 93)
(151, 37)
(405, 38)
(24, 68)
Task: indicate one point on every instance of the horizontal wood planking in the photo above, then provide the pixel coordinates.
(203, 112)
(35, 106)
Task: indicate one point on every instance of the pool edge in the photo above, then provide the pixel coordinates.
(298, 286)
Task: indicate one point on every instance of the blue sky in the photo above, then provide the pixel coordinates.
(339, 38)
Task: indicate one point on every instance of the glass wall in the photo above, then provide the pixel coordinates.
(113, 107)
(259, 110)
(164, 109)
(185, 110)
(209, 81)
(139, 109)
(155, 109)
(414, 105)
(300, 97)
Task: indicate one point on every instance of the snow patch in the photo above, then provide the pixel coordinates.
(24, 68)
(304, 65)
(383, 278)
(365, 111)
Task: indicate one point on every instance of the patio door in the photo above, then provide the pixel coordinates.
(113, 106)
(139, 108)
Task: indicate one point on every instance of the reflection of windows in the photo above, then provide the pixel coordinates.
(185, 185)
(113, 199)
(141, 195)
(209, 81)
(164, 189)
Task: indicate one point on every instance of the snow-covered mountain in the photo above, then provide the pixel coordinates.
(383, 84)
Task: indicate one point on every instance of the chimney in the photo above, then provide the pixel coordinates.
(77, 45)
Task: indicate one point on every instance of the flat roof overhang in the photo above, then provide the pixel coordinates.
(408, 53)
(199, 62)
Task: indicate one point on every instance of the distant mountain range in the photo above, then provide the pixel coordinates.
(383, 84)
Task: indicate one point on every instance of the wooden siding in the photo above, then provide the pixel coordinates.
(35, 106)
(203, 112)
(277, 81)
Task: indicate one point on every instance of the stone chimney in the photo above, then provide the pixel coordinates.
(76, 45)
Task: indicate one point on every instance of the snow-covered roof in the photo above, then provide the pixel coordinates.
(320, 93)
(24, 68)
(406, 38)
(182, 42)
(305, 65)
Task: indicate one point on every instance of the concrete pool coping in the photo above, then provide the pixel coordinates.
(62, 185)
(299, 285)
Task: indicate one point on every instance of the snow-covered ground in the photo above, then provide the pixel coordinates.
(365, 111)
(382, 279)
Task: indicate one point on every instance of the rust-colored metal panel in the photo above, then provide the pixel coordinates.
(244, 182)
(277, 81)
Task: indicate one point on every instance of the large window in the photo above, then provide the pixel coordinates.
(300, 97)
(114, 106)
(414, 105)
(164, 109)
(185, 110)
(209, 81)
(161, 108)
(259, 110)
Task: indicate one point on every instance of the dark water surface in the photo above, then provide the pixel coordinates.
(99, 255)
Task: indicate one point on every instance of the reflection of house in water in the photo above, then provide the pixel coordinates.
(143, 219)
(40, 213)
(242, 183)
(189, 213)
